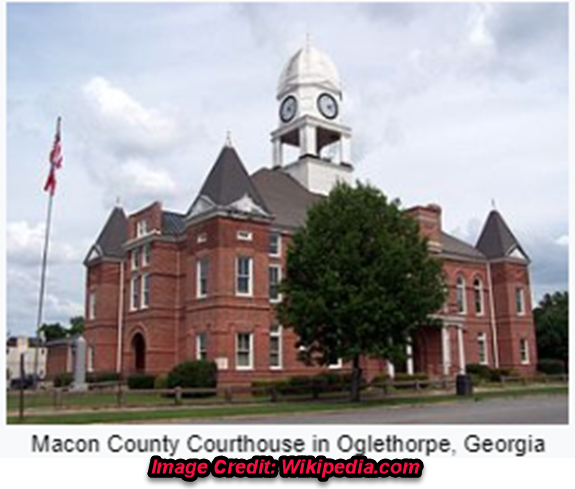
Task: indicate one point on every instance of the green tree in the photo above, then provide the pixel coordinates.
(53, 331)
(359, 280)
(76, 325)
(552, 327)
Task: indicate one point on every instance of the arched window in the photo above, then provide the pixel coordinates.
(478, 296)
(460, 294)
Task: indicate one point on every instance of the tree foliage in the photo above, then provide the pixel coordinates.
(55, 331)
(552, 327)
(359, 278)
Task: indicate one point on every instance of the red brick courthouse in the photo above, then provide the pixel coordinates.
(164, 287)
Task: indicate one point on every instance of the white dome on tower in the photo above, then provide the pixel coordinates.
(309, 66)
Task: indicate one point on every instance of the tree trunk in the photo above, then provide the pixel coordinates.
(355, 380)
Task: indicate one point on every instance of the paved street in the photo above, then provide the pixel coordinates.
(541, 409)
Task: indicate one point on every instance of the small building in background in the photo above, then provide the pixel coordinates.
(18, 345)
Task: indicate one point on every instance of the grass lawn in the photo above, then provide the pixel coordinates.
(163, 414)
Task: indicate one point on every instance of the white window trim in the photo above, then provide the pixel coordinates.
(521, 292)
(279, 252)
(144, 282)
(92, 298)
(250, 291)
(482, 339)
(142, 228)
(463, 296)
(199, 293)
(199, 350)
(133, 287)
(279, 335)
(135, 258)
(146, 250)
(202, 238)
(526, 360)
(244, 236)
(279, 269)
(251, 352)
(337, 365)
(478, 289)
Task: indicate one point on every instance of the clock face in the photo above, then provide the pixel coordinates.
(288, 109)
(327, 105)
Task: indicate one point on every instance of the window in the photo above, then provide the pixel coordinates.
(244, 353)
(275, 346)
(478, 296)
(244, 267)
(92, 305)
(520, 301)
(135, 258)
(141, 228)
(524, 351)
(202, 346)
(135, 293)
(145, 290)
(202, 238)
(275, 244)
(274, 282)
(482, 348)
(202, 277)
(460, 295)
(337, 364)
(244, 236)
(146, 255)
(90, 366)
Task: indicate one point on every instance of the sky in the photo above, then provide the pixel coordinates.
(463, 105)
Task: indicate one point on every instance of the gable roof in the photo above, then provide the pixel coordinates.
(450, 245)
(285, 197)
(227, 184)
(111, 238)
(496, 239)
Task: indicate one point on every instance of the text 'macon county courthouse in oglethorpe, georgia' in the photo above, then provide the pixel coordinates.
(165, 287)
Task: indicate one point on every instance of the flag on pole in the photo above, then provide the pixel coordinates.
(55, 161)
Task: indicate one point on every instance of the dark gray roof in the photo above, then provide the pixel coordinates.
(228, 181)
(285, 197)
(496, 239)
(454, 246)
(172, 223)
(115, 233)
(32, 342)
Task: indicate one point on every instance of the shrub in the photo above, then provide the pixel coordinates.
(380, 379)
(99, 377)
(497, 374)
(196, 374)
(550, 366)
(161, 382)
(63, 380)
(141, 381)
(480, 372)
(402, 377)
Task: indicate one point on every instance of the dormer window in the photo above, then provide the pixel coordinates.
(142, 228)
(244, 236)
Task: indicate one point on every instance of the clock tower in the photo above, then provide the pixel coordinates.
(310, 98)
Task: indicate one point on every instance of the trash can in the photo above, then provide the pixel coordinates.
(463, 385)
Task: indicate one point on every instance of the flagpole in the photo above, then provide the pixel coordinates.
(43, 272)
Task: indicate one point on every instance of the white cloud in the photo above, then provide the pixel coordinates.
(25, 244)
(125, 124)
(136, 183)
(563, 240)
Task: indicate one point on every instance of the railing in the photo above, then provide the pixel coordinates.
(118, 395)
